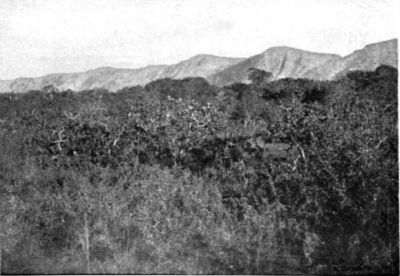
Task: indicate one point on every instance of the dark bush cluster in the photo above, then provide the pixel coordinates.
(285, 176)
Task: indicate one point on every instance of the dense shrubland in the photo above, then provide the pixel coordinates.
(289, 176)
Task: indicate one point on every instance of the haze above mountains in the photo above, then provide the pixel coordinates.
(282, 62)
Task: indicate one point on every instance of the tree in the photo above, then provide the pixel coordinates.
(258, 76)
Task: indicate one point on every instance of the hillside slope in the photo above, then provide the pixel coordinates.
(199, 66)
(282, 62)
(366, 59)
(285, 62)
(114, 78)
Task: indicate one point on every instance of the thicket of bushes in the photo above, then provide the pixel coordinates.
(290, 176)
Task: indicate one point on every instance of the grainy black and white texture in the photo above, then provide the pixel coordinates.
(264, 140)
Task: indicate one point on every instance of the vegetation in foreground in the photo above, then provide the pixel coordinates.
(290, 176)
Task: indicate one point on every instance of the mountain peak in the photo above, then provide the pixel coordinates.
(288, 62)
(389, 42)
(102, 69)
(203, 56)
(281, 49)
(209, 58)
(281, 61)
(292, 50)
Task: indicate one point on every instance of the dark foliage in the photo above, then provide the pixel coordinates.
(302, 175)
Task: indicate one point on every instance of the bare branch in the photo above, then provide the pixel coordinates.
(381, 141)
(70, 116)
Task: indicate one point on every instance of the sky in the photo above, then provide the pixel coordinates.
(58, 36)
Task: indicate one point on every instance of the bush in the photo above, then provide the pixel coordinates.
(289, 176)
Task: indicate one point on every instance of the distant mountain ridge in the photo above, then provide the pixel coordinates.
(285, 62)
(282, 62)
(114, 78)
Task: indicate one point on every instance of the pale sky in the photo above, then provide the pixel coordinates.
(54, 36)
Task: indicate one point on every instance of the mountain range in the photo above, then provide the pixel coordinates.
(282, 62)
